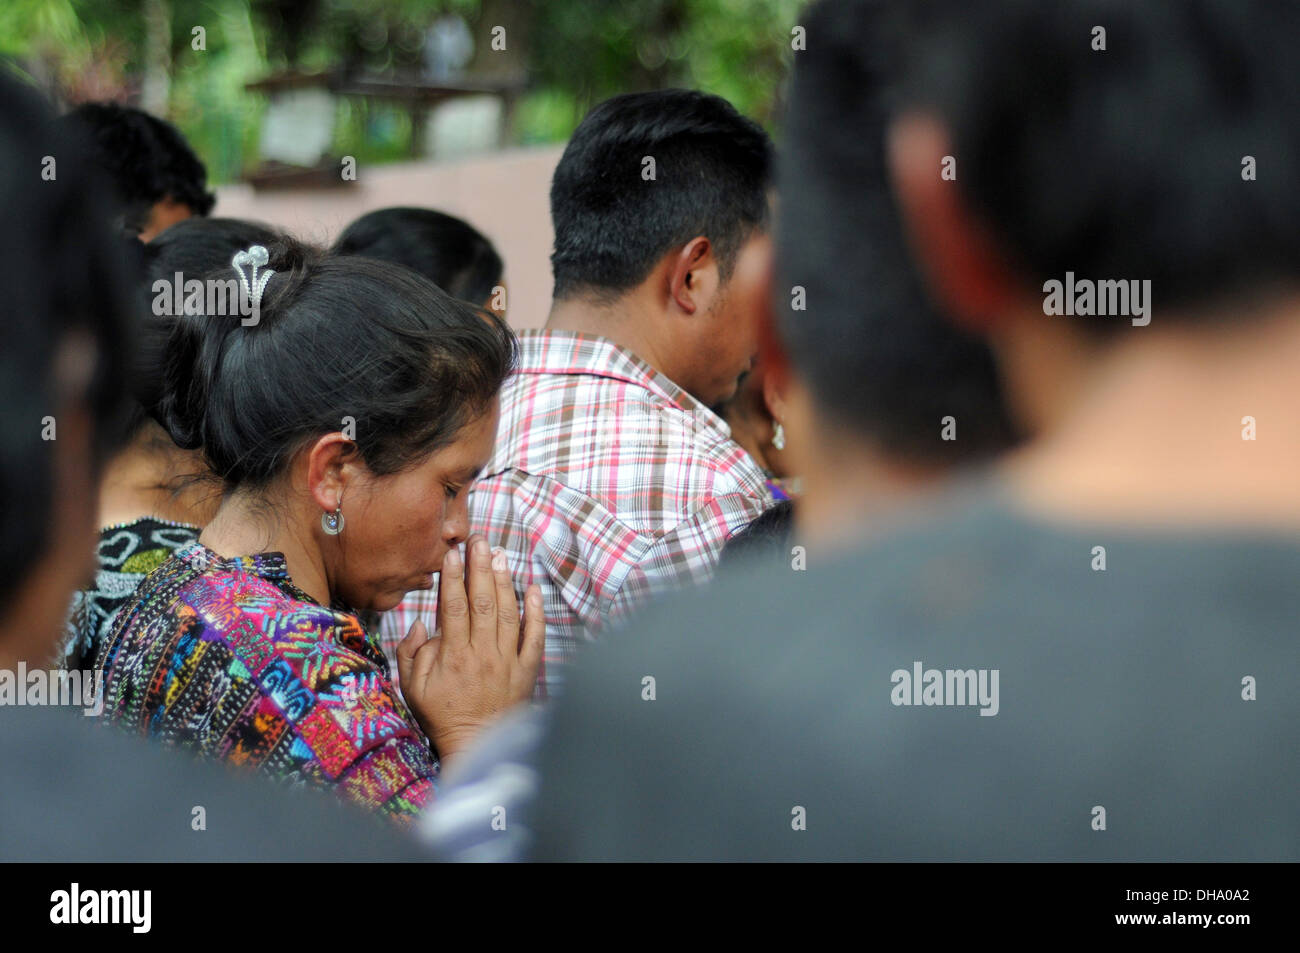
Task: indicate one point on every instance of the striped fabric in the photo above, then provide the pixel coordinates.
(609, 484)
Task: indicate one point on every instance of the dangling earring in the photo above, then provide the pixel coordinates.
(778, 436)
(332, 523)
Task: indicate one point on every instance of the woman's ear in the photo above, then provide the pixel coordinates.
(329, 468)
(956, 254)
(773, 398)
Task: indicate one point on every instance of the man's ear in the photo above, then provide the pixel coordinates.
(329, 468)
(693, 276)
(956, 254)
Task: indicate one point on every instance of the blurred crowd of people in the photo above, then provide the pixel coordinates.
(652, 581)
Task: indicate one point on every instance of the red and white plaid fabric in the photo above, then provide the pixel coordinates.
(608, 485)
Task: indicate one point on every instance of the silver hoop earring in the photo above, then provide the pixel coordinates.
(332, 523)
(778, 436)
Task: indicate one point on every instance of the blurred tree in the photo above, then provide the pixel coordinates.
(573, 53)
(286, 24)
(593, 49)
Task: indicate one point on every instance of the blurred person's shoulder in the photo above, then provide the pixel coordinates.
(967, 685)
(74, 791)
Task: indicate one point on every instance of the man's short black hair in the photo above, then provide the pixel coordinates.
(613, 223)
(145, 160)
(450, 252)
(1128, 162)
(875, 353)
(66, 278)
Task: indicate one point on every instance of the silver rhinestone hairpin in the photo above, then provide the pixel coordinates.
(254, 284)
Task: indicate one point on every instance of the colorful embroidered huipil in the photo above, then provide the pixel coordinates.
(229, 658)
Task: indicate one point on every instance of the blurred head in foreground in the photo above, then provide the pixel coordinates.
(879, 393)
(65, 319)
(1055, 264)
(1120, 225)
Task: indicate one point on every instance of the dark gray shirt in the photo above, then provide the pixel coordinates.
(71, 790)
(778, 728)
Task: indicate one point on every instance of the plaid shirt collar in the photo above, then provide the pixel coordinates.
(543, 351)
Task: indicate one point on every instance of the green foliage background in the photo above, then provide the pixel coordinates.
(572, 53)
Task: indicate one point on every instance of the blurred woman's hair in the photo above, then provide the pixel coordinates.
(448, 251)
(65, 319)
(340, 341)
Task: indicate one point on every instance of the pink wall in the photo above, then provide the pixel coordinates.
(504, 195)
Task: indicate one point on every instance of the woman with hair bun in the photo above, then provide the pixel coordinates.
(346, 415)
(154, 497)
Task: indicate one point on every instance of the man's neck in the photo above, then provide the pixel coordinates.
(857, 494)
(627, 322)
(850, 489)
(1158, 434)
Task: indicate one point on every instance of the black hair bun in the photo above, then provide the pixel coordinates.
(195, 349)
(334, 338)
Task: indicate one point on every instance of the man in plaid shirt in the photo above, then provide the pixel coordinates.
(612, 480)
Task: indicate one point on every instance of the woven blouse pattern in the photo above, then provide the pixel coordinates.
(127, 552)
(228, 658)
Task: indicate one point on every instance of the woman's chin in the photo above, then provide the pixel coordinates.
(391, 600)
(385, 603)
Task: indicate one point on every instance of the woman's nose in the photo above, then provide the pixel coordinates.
(456, 528)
